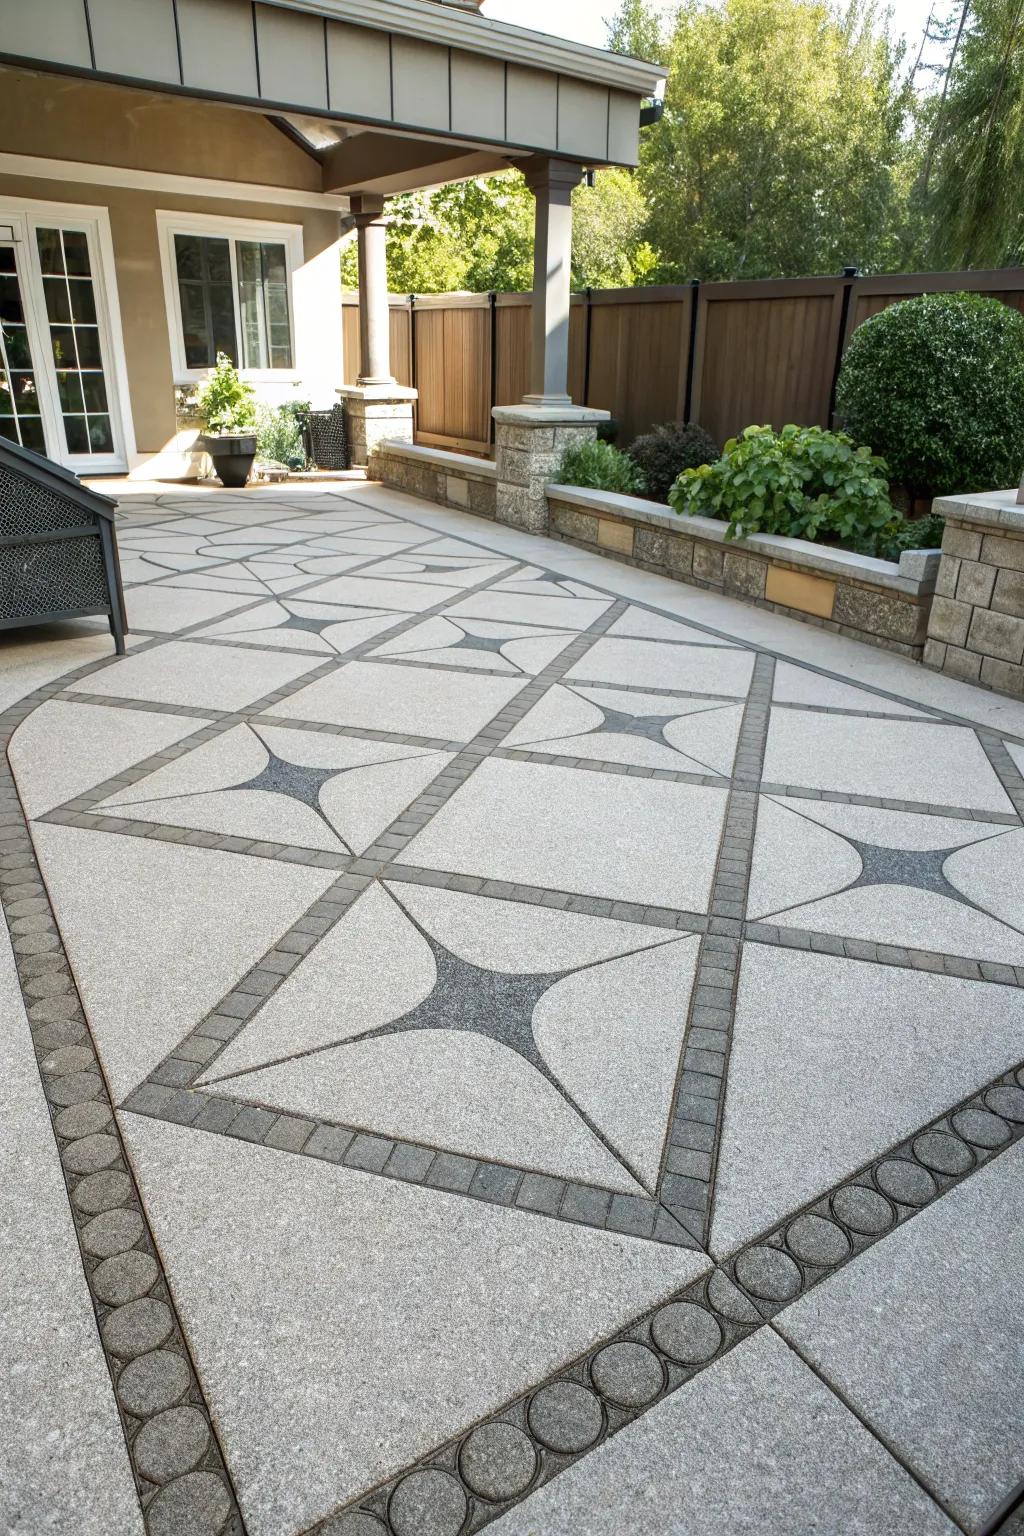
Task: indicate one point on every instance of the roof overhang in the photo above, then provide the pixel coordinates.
(408, 67)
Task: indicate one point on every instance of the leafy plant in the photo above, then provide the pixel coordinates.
(664, 452)
(936, 385)
(600, 467)
(802, 481)
(225, 402)
(279, 433)
(889, 541)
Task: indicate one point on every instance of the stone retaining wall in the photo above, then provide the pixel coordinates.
(450, 479)
(873, 600)
(976, 631)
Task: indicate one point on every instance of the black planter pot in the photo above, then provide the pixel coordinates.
(232, 454)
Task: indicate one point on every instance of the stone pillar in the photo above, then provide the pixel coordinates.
(976, 625)
(552, 183)
(377, 409)
(531, 440)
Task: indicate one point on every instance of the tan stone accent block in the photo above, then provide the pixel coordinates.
(1008, 596)
(975, 583)
(962, 542)
(934, 654)
(997, 634)
(1008, 553)
(1003, 676)
(745, 574)
(615, 536)
(795, 589)
(708, 562)
(965, 665)
(457, 490)
(949, 621)
(949, 575)
(574, 524)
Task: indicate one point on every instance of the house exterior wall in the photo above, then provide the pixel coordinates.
(72, 121)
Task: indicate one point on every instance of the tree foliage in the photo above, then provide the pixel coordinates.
(478, 235)
(781, 151)
(974, 161)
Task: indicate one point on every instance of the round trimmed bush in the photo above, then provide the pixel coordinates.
(664, 452)
(936, 386)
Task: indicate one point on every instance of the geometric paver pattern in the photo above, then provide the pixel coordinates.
(475, 1003)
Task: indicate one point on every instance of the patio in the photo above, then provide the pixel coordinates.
(526, 1042)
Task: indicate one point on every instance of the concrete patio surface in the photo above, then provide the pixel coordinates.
(494, 1036)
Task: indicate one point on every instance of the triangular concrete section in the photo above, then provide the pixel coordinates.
(833, 1062)
(157, 934)
(343, 1325)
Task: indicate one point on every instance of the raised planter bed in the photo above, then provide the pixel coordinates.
(873, 600)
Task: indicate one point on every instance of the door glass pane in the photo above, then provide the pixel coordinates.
(75, 340)
(20, 421)
(203, 266)
(263, 304)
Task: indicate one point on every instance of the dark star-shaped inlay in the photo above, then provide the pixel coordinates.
(280, 777)
(307, 625)
(618, 722)
(906, 866)
(493, 643)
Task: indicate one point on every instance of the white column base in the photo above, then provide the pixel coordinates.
(531, 439)
(376, 413)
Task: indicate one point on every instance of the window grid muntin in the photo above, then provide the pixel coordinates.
(88, 433)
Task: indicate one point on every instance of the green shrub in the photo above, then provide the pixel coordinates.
(225, 403)
(936, 385)
(889, 541)
(664, 452)
(802, 481)
(279, 433)
(600, 467)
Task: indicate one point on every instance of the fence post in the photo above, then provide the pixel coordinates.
(588, 320)
(692, 349)
(850, 276)
(493, 301)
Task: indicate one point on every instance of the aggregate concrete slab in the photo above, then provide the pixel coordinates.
(922, 1336)
(149, 969)
(303, 1283)
(165, 611)
(62, 748)
(646, 663)
(799, 685)
(639, 840)
(202, 676)
(897, 760)
(64, 1462)
(755, 1446)
(834, 1061)
(408, 701)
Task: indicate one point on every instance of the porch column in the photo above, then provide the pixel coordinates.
(374, 315)
(531, 438)
(552, 183)
(377, 408)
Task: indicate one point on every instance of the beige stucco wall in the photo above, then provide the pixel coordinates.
(59, 117)
(184, 138)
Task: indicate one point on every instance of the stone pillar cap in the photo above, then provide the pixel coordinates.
(383, 394)
(548, 415)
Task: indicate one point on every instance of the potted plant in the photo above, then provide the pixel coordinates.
(228, 407)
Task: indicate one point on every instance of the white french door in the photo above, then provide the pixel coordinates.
(59, 390)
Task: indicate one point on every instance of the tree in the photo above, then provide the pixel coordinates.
(782, 150)
(636, 30)
(972, 203)
(478, 235)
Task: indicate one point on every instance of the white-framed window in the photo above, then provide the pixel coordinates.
(229, 288)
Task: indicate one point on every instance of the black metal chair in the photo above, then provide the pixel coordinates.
(58, 547)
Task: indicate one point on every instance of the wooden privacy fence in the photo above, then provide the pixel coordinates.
(723, 354)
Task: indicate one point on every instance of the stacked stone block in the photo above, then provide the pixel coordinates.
(976, 631)
(530, 442)
(449, 479)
